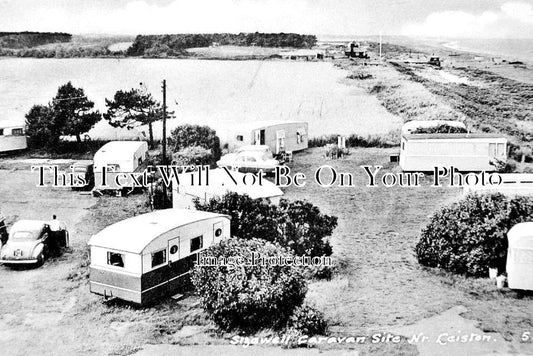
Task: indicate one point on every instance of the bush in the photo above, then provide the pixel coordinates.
(195, 156)
(470, 236)
(440, 129)
(249, 297)
(309, 321)
(298, 225)
(188, 135)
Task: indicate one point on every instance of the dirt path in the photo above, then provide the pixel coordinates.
(34, 301)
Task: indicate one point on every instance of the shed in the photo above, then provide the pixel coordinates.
(520, 256)
(280, 136)
(220, 182)
(148, 256)
(465, 152)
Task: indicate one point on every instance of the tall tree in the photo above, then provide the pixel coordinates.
(41, 126)
(133, 108)
(72, 110)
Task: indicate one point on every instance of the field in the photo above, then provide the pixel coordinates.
(379, 286)
(217, 93)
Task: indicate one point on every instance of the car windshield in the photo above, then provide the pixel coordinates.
(24, 236)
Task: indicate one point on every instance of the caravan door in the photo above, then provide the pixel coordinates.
(173, 250)
(218, 231)
(280, 141)
(259, 137)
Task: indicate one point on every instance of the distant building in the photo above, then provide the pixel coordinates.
(357, 51)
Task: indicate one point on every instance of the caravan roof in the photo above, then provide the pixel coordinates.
(254, 125)
(221, 183)
(455, 136)
(521, 236)
(119, 150)
(134, 234)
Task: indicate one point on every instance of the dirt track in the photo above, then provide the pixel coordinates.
(35, 301)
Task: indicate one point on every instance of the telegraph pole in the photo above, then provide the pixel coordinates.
(164, 122)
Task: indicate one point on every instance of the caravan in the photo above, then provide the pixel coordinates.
(280, 136)
(118, 157)
(12, 138)
(149, 256)
(465, 152)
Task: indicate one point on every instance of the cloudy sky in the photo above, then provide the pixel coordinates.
(445, 18)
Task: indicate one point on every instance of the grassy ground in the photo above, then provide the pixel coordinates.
(380, 283)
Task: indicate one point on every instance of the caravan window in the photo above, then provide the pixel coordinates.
(159, 257)
(1, 132)
(17, 132)
(197, 243)
(115, 259)
(501, 149)
(240, 138)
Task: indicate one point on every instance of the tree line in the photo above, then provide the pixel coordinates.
(149, 45)
(18, 40)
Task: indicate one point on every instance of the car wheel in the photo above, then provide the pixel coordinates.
(40, 259)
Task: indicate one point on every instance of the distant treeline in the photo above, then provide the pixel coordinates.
(60, 52)
(19, 40)
(174, 45)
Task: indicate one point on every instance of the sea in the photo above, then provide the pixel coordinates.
(511, 49)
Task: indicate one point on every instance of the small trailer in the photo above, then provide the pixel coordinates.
(465, 152)
(280, 136)
(12, 138)
(118, 157)
(520, 257)
(149, 256)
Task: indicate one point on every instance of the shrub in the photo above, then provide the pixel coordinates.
(442, 129)
(188, 135)
(308, 321)
(304, 228)
(195, 155)
(160, 196)
(470, 235)
(249, 296)
(298, 225)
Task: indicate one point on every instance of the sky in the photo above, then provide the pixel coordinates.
(426, 18)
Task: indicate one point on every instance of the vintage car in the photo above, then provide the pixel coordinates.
(32, 241)
(249, 161)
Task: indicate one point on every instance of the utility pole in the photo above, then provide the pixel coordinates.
(164, 140)
(380, 45)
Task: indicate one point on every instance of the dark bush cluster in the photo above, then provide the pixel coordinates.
(249, 296)
(309, 321)
(440, 129)
(187, 135)
(470, 236)
(297, 225)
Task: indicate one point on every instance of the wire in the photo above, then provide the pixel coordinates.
(74, 97)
